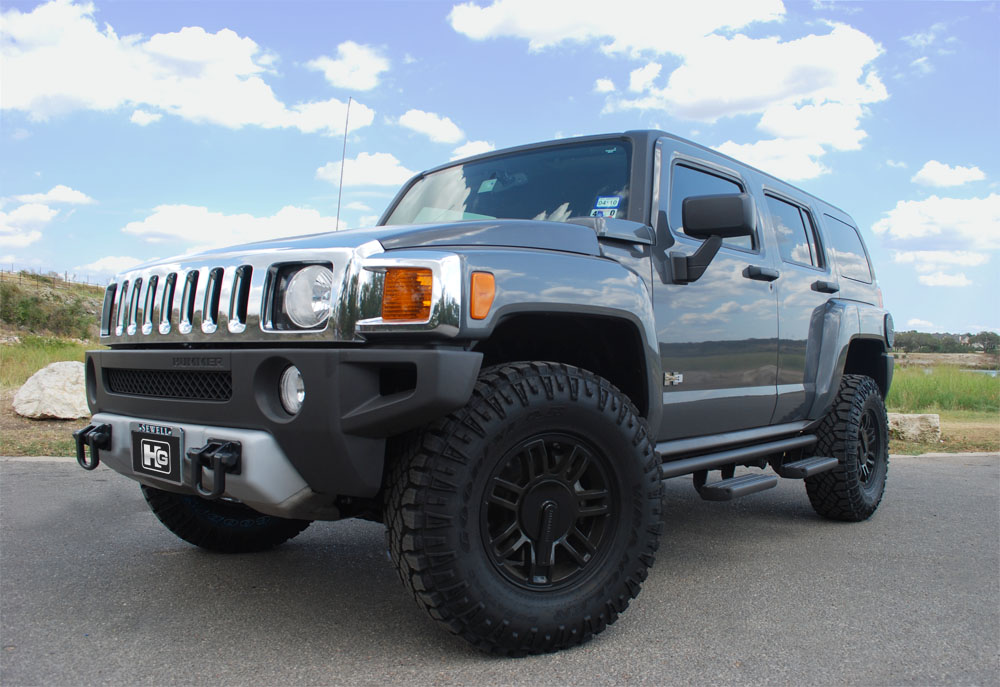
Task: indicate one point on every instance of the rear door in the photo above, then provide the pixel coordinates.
(807, 282)
(718, 335)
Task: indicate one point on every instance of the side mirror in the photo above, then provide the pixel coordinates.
(712, 219)
(726, 215)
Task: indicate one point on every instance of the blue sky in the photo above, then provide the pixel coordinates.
(134, 130)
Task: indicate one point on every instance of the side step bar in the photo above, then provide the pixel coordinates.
(807, 467)
(711, 461)
(735, 487)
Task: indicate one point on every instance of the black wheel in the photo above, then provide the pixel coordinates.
(856, 432)
(526, 521)
(224, 526)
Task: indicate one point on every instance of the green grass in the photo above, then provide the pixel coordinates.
(63, 312)
(930, 390)
(20, 361)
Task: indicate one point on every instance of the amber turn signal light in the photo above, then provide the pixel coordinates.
(483, 290)
(406, 294)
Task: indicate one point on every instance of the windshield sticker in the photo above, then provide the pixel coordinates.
(608, 201)
(608, 212)
(487, 185)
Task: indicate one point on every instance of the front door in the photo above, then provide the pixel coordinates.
(718, 336)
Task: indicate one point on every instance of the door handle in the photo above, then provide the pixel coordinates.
(759, 273)
(824, 286)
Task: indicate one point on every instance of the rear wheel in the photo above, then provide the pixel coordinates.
(526, 521)
(224, 526)
(856, 432)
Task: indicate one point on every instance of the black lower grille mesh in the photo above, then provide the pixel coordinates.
(195, 385)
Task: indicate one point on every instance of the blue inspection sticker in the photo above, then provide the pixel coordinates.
(608, 202)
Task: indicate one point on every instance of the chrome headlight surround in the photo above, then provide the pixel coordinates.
(294, 289)
(446, 292)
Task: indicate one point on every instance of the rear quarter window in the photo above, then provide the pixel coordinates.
(849, 251)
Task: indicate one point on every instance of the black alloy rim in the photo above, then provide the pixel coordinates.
(870, 448)
(548, 512)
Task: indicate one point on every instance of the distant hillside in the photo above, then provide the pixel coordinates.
(49, 305)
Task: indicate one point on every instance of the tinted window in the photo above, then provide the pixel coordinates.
(687, 181)
(845, 242)
(794, 230)
(556, 183)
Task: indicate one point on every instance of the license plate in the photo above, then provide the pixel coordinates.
(156, 451)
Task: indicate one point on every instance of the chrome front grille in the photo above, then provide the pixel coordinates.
(221, 297)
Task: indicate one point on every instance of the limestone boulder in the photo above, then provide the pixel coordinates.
(924, 428)
(54, 392)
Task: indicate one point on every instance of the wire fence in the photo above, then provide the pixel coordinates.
(37, 280)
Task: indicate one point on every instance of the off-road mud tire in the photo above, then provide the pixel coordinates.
(440, 509)
(856, 432)
(222, 526)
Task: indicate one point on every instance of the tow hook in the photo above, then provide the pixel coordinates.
(97, 437)
(220, 457)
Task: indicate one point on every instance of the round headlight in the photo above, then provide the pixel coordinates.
(308, 296)
(293, 390)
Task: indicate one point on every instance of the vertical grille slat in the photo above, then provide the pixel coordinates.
(239, 299)
(210, 309)
(149, 305)
(133, 306)
(187, 302)
(167, 304)
(108, 310)
(121, 313)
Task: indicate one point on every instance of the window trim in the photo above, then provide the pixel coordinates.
(705, 167)
(817, 241)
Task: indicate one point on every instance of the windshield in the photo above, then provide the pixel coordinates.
(556, 183)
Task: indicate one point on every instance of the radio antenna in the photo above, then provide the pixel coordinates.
(343, 157)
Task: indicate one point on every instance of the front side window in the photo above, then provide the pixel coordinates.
(794, 229)
(688, 181)
(850, 252)
(554, 184)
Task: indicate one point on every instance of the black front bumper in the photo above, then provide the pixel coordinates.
(354, 399)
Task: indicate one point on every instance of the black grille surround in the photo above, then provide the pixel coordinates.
(192, 385)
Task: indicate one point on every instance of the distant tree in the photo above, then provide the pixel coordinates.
(990, 341)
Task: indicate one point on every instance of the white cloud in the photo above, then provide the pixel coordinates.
(470, 148)
(367, 169)
(953, 222)
(935, 173)
(22, 226)
(109, 265)
(199, 228)
(56, 60)
(894, 163)
(931, 260)
(791, 159)
(58, 194)
(917, 323)
(811, 92)
(641, 79)
(368, 220)
(356, 67)
(604, 86)
(923, 39)
(922, 65)
(357, 205)
(439, 129)
(662, 25)
(942, 279)
(142, 118)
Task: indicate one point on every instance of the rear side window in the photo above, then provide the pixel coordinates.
(846, 244)
(796, 235)
(688, 181)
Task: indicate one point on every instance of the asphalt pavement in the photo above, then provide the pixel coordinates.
(93, 590)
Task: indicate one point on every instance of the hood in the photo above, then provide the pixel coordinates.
(505, 233)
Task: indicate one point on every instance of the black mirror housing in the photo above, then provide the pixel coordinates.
(725, 215)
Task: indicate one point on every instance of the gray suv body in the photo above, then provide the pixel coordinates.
(503, 371)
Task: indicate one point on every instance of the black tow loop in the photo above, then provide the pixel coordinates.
(98, 438)
(220, 457)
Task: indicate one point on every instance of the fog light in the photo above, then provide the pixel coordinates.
(293, 390)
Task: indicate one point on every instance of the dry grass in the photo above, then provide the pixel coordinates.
(20, 436)
(962, 431)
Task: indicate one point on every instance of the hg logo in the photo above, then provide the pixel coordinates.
(156, 456)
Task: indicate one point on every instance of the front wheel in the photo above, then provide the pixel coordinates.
(526, 521)
(223, 526)
(855, 431)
